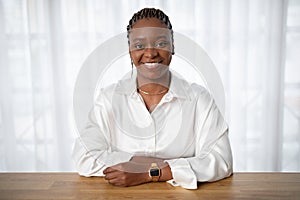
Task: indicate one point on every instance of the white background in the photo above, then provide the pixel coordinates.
(254, 44)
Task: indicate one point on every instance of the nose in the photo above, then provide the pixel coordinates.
(150, 52)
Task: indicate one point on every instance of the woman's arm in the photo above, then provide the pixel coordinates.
(92, 152)
(213, 157)
(136, 171)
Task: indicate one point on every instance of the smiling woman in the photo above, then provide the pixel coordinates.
(150, 51)
(254, 45)
(154, 126)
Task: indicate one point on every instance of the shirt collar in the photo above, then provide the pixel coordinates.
(178, 87)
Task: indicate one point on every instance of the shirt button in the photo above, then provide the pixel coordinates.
(134, 96)
(168, 97)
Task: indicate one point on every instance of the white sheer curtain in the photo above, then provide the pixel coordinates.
(254, 44)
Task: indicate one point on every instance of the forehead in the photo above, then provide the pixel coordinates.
(149, 28)
(149, 32)
(149, 22)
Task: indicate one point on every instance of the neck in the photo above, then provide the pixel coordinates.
(154, 86)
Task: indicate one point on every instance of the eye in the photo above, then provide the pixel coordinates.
(161, 44)
(139, 46)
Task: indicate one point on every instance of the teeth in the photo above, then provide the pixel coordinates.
(151, 65)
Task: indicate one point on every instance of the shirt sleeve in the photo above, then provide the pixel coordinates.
(92, 151)
(213, 157)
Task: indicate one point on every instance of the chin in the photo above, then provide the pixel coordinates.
(153, 74)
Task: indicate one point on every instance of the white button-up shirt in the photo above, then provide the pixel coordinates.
(185, 129)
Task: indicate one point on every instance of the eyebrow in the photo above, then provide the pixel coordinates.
(162, 37)
(138, 39)
(143, 38)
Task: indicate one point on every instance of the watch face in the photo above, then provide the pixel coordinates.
(154, 172)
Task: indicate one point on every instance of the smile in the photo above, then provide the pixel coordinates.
(151, 65)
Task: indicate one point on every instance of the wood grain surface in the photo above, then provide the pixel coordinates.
(72, 186)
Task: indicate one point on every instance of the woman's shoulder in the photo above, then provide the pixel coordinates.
(199, 89)
(123, 86)
(191, 89)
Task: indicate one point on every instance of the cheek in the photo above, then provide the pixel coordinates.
(167, 57)
(135, 57)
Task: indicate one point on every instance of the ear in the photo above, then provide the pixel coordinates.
(129, 52)
(173, 52)
(131, 61)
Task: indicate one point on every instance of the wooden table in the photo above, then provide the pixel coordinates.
(72, 186)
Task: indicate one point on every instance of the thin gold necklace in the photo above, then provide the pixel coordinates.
(148, 93)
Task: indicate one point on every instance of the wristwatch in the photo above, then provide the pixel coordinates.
(154, 172)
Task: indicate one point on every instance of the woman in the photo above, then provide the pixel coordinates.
(154, 126)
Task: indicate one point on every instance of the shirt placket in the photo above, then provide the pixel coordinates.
(149, 144)
(154, 117)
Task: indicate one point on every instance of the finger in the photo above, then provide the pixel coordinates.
(105, 170)
(112, 175)
(115, 182)
(108, 170)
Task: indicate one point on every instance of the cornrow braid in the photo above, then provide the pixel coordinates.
(151, 13)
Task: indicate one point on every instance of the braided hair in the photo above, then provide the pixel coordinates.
(151, 13)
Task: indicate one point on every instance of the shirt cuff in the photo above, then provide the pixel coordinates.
(183, 175)
(92, 167)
